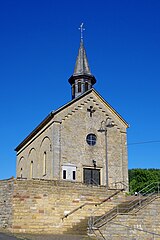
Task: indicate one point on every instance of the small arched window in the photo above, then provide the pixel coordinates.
(44, 163)
(31, 170)
(73, 90)
(21, 163)
(79, 87)
(86, 86)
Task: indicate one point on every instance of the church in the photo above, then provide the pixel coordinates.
(84, 141)
(72, 173)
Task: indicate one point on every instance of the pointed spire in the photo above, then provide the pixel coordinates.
(82, 79)
(82, 66)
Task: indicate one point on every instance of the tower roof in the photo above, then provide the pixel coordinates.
(81, 66)
(82, 79)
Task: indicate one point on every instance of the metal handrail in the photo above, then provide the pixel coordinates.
(138, 229)
(137, 201)
(104, 215)
(148, 186)
(115, 212)
(95, 204)
(140, 194)
(112, 195)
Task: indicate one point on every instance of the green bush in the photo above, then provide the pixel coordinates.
(140, 178)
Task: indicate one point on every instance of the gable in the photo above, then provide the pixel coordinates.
(91, 97)
(111, 109)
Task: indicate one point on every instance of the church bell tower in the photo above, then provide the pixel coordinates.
(82, 79)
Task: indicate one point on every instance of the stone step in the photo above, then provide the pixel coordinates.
(79, 227)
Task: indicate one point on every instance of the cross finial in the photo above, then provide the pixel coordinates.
(81, 29)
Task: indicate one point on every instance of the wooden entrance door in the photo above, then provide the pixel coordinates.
(91, 176)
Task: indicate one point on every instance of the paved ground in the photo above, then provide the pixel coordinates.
(7, 236)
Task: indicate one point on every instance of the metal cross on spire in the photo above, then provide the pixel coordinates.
(81, 30)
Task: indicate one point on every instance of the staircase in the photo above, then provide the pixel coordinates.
(76, 221)
(130, 206)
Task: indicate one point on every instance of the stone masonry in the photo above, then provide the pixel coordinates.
(83, 141)
(62, 137)
(143, 225)
(69, 164)
(39, 206)
(6, 207)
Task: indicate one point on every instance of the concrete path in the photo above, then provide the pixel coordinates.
(53, 237)
(6, 236)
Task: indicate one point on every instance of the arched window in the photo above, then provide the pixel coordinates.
(44, 163)
(73, 90)
(21, 164)
(86, 86)
(21, 176)
(31, 170)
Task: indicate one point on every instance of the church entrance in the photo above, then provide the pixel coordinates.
(91, 176)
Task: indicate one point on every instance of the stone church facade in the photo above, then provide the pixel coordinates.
(83, 141)
(72, 173)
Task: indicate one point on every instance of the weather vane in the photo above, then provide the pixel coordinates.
(81, 30)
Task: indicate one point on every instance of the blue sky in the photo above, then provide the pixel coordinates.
(39, 42)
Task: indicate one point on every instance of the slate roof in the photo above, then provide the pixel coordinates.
(82, 66)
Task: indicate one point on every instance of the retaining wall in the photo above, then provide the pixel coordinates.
(6, 206)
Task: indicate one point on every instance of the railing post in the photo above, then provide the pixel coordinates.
(139, 199)
(90, 224)
(158, 188)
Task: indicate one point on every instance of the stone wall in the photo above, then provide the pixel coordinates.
(33, 154)
(36, 206)
(40, 205)
(77, 124)
(6, 207)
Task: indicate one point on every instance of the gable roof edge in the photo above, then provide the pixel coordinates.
(53, 113)
(111, 108)
(47, 119)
